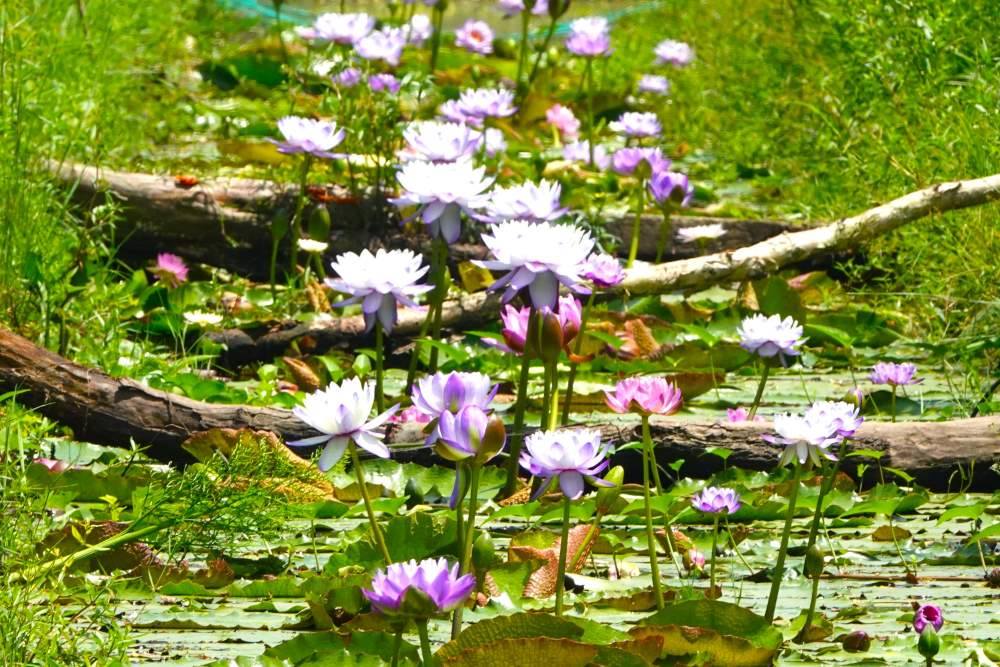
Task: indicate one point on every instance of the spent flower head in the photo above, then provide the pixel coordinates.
(378, 281)
(342, 414)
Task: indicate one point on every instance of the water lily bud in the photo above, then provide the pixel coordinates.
(319, 223)
(558, 7)
(362, 366)
(552, 336)
(608, 495)
(279, 226)
(855, 397)
(814, 562)
(929, 644)
(856, 642)
(494, 439)
(993, 578)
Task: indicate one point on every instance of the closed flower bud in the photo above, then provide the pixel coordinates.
(319, 223)
(558, 7)
(814, 562)
(552, 337)
(608, 495)
(929, 644)
(856, 642)
(494, 439)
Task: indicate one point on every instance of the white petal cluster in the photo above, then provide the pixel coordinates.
(528, 201)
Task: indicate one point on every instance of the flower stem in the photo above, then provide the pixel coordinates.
(440, 292)
(578, 556)
(538, 57)
(517, 435)
(426, 656)
(465, 563)
(666, 233)
(801, 636)
(397, 644)
(359, 474)
(711, 567)
(563, 548)
(577, 347)
(760, 391)
(640, 202)
(300, 205)
(824, 488)
(779, 565)
(436, 38)
(654, 565)
(379, 371)
(522, 55)
(654, 470)
(553, 409)
(425, 327)
(588, 76)
(460, 470)
(894, 388)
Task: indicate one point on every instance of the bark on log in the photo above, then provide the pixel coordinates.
(114, 412)
(755, 261)
(768, 256)
(225, 222)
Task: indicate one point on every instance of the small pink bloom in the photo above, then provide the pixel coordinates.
(170, 269)
(563, 119)
(736, 415)
(644, 395)
(475, 36)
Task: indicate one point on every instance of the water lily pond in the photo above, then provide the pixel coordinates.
(502, 332)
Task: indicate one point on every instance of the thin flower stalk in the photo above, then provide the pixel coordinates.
(465, 564)
(711, 567)
(563, 548)
(760, 391)
(517, 436)
(654, 565)
(359, 475)
(573, 365)
(640, 203)
(779, 565)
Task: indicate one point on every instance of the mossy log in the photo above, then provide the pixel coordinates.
(116, 412)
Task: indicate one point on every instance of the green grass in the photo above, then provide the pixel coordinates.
(846, 105)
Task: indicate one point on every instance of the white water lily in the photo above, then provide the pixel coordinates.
(312, 245)
(341, 413)
(378, 281)
(436, 141)
(527, 201)
(805, 440)
(700, 233)
(443, 191)
(201, 318)
(538, 257)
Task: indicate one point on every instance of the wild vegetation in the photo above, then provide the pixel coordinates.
(499, 403)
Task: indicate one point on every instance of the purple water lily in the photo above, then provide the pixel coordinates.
(626, 160)
(386, 44)
(528, 201)
(715, 500)
(338, 28)
(438, 582)
(443, 191)
(671, 186)
(434, 141)
(637, 124)
(475, 36)
(644, 395)
(674, 53)
(927, 614)
(569, 455)
(894, 375)
(603, 270)
(654, 84)
(589, 37)
(770, 336)
(451, 392)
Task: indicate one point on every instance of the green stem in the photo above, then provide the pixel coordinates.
(465, 563)
(577, 347)
(436, 297)
(574, 563)
(436, 38)
(654, 565)
(397, 644)
(827, 484)
(538, 57)
(640, 202)
(711, 566)
(894, 388)
(654, 470)
(129, 535)
(553, 409)
(300, 205)
(546, 393)
(440, 292)
(812, 610)
(760, 391)
(666, 233)
(359, 475)
(522, 55)
(426, 656)
(517, 435)
(589, 78)
(459, 514)
(779, 565)
(563, 548)
(379, 371)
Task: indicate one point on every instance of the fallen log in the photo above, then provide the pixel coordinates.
(755, 261)
(115, 412)
(225, 222)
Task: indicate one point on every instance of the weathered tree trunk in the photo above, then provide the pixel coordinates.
(225, 222)
(115, 412)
